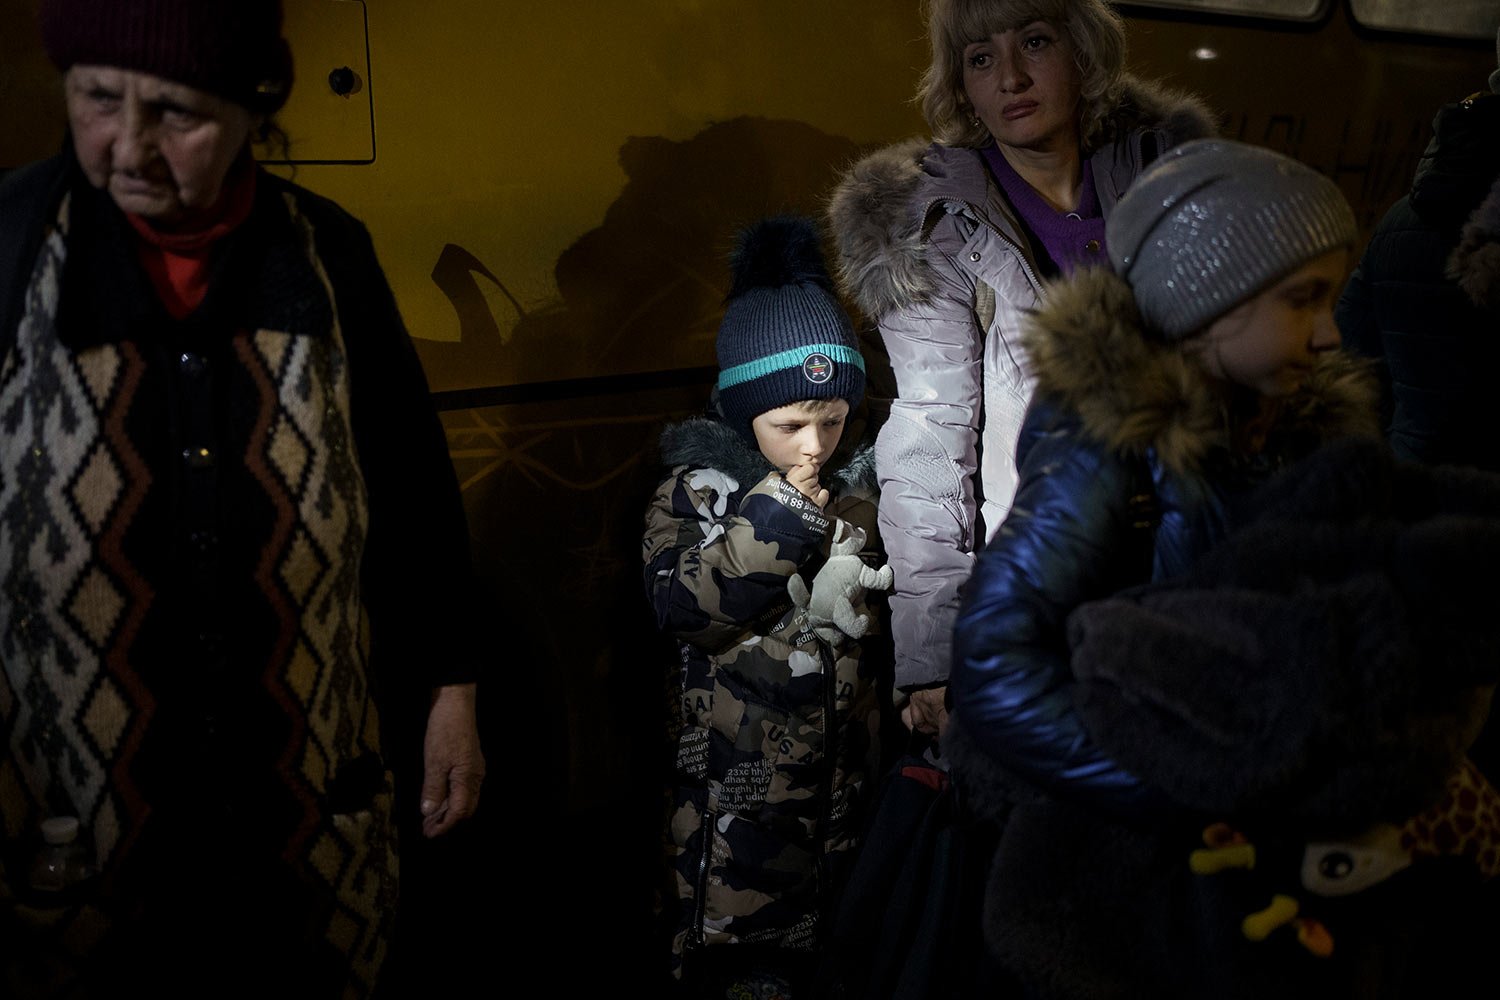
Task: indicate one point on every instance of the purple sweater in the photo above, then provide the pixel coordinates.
(1071, 239)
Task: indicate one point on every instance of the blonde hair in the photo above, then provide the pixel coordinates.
(1092, 27)
(817, 407)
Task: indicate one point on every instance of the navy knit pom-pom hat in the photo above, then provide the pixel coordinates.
(784, 338)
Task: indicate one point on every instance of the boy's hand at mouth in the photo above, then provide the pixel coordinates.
(805, 478)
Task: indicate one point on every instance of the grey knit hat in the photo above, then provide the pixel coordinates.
(784, 337)
(1212, 223)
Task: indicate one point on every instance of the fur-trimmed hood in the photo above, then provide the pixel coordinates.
(879, 213)
(1475, 262)
(1147, 104)
(706, 443)
(1090, 351)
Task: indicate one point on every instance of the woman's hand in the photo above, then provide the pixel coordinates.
(452, 764)
(926, 711)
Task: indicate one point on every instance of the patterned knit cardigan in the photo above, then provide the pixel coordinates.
(219, 539)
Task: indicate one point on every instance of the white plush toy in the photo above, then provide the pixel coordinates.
(839, 588)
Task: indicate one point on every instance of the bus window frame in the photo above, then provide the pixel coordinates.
(1225, 10)
(1362, 22)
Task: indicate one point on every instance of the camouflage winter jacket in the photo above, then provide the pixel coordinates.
(777, 726)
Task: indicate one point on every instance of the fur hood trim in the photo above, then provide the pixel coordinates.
(705, 443)
(1089, 350)
(1141, 104)
(878, 212)
(1475, 262)
(881, 242)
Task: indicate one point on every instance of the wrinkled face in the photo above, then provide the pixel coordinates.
(1270, 342)
(161, 149)
(792, 435)
(1024, 86)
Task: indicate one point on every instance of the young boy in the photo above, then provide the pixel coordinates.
(776, 723)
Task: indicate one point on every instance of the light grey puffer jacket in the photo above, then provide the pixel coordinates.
(930, 249)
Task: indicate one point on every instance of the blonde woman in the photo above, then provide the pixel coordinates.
(1037, 132)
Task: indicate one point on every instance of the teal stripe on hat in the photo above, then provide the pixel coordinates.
(761, 367)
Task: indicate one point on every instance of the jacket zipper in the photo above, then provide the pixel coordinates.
(830, 755)
(706, 832)
(986, 223)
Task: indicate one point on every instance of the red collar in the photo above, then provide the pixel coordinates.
(233, 208)
(178, 263)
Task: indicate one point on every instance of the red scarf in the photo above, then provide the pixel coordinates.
(178, 263)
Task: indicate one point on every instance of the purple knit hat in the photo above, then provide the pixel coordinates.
(232, 48)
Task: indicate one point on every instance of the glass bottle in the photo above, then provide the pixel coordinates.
(63, 861)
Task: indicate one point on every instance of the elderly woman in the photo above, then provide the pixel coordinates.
(1038, 132)
(228, 524)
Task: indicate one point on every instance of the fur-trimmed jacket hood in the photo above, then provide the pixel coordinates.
(1139, 395)
(709, 443)
(881, 212)
(1475, 262)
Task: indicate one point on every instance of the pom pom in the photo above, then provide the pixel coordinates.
(776, 252)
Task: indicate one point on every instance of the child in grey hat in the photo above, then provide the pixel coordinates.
(1166, 390)
(1243, 683)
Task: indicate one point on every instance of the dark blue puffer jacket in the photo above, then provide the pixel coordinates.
(1124, 434)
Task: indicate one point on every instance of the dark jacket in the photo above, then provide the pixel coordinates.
(1125, 431)
(225, 539)
(1302, 698)
(1425, 300)
(1287, 667)
(776, 730)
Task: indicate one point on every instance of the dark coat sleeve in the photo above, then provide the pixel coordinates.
(27, 195)
(1436, 350)
(416, 571)
(1068, 539)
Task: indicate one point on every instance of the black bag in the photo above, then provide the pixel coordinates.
(908, 926)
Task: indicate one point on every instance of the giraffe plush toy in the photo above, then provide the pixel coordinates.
(1464, 823)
